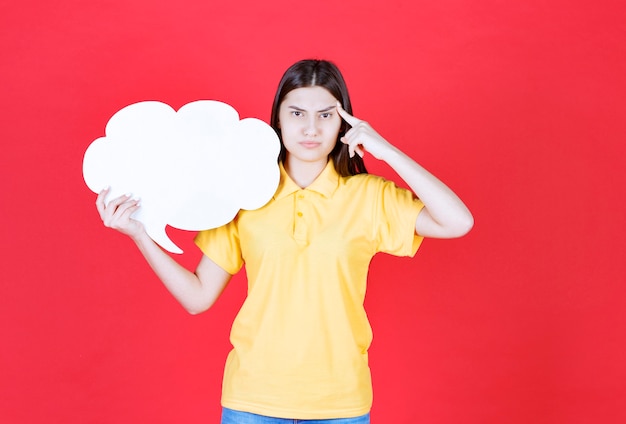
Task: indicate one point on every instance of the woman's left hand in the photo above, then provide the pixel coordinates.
(362, 137)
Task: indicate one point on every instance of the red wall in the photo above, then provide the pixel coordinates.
(518, 106)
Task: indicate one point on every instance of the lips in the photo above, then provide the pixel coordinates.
(309, 144)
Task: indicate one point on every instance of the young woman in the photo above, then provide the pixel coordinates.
(300, 340)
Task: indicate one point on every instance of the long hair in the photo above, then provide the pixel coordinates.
(322, 73)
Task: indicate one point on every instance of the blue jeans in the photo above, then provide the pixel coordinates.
(230, 416)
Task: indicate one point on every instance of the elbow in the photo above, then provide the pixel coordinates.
(196, 309)
(193, 311)
(464, 225)
(454, 226)
(458, 227)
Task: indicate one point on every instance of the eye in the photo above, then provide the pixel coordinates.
(296, 113)
(326, 115)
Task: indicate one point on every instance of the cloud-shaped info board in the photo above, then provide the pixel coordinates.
(193, 169)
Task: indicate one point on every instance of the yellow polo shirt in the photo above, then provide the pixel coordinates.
(301, 337)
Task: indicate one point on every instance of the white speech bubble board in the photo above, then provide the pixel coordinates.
(193, 169)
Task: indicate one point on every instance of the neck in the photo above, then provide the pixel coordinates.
(303, 173)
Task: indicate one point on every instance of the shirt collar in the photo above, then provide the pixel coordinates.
(325, 184)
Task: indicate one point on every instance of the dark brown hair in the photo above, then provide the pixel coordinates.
(322, 73)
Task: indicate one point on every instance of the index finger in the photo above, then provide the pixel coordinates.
(100, 199)
(346, 116)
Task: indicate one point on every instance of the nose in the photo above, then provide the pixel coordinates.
(310, 127)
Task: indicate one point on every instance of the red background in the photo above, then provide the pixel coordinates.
(518, 106)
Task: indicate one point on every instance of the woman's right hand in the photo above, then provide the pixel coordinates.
(117, 214)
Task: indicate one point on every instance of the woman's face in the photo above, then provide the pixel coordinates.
(309, 124)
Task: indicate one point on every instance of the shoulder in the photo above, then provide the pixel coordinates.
(363, 180)
(368, 183)
(368, 189)
(377, 191)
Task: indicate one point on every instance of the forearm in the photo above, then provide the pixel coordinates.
(195, 291)
(183, 284)
(446, 216)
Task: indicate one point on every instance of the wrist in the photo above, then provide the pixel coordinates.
(391, 154)
(141, 238)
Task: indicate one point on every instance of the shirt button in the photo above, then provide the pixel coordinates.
(299, 214)
(301, 196)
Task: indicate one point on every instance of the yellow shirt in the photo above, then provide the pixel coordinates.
(301, 337)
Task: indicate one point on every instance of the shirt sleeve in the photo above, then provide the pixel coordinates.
(395, 213)
(222, 246)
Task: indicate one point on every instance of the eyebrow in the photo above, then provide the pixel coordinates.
(319, 111)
